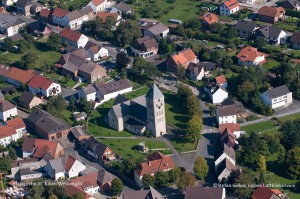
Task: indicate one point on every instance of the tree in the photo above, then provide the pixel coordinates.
(200, 168)
(174, 174)
(227, 62)
(28, 59)
(8, 43)
(77, 196)
(162, 178)
(260, 42)
(116, 186)
(148, 180)
(143, 70)
(122, 60)
(55, 104)
(292, 162)
(72, 102)
(181, 72)
(186, 179)
(244, 179)
(194, 128)
(281, 154)
(291, 134)
(262, 164)
(54, 41)
(183, 93)
(5, 164)
(262, 178)
(193, 106)
(126, 32)
(12, 153)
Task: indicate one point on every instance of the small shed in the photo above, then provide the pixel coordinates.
(142, 147)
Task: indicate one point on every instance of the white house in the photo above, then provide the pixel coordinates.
(249, 56)
(121, 8)
(88, 93)
(7, 110)
(10, 24)
(43, 86)
(158, 29)
(74, 38)
(97, 5)
(278, 97)
(195, 71)
(95, 51)
(216, 92)
(229, 7)
(110, 90)
(224, 169)
(234, 128)
(57, 16)
(12, 131)
(228, 152)
(273, 35)
(221, 80)
(226, 114)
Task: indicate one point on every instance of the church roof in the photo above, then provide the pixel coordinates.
(154, 93)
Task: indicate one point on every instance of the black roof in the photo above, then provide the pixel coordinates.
(26, 97)
(278, 91)
(247, 26)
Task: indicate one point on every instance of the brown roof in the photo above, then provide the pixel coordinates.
(4, 70)
(123, 7)
(210, 18)
(20, 75)
(73, 15)
(113, 86)
(227, 137)
(194, 68)
(183, 57)
(204, 192)
(227, 110)
(295, 38)
(231, 126)
(16, 123)
(6, 105)
(45, 13)
(59, 12)
(85, 181)
(104, 15)
(270, 11)
(69, 162)
(225, 164)
(264, 193)
(71, 190)
(94, 48)
(6, 131)
(71, 35)
(146, 43)
(249, 53)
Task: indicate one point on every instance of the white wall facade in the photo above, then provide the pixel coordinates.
(283, 100)
(221, 158)
(219, 96)
(225, 174)
(76, 169)
(8, 114)
(109, 96)
(99, 7)
(225, 11)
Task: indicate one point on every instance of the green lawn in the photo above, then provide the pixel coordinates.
(290, 117)
(290, 24)
(182, 146)
(258, 127)
(68, 83)
(137, 93)
(127, 148)
(270, 64)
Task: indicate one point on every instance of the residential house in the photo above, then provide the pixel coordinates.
(277, 97)
(95, 51)
(104, 180)
(75, 18)
(271, 14)
(141, 113)
(121, 8)
(250, 56)
(97, 5)
(144, 47)
(229, 7)
(182, 58)
(195, 71)
(97, 150)
(28, 100)
(38, 148)
(65, 166)
(226, 114)
(36, 8)
(250, 2)
(18, 76)
(91, 72)
(224, 169)
(274, 35)
(295, 40)
(205, 192)
(155, 162)
(115, 16)
(39, 29)
(79, 133)
(142, 194)
(221, 80)
(79, 116)
(27, 169)
(159, 29)
(23, 6)
(47, 126)
(246, 28)
(13, 130)
(227, 137)
(234, 128)
(10, 24)
(111, 89)
(267, 193)
(44, 86)
(291, 5)
(44, 16)
(7, 3)
(57, 15)
(226, 152)
(7, 110)
(216, 93)
(74, 38)
(88, 93)
(209, 19)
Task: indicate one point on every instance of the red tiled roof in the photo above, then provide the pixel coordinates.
(16, 123)
(155, 156)
(71, 35)
(97, 2)
(69, 163)
(221, 79)
(104, 15)
(249, 53)
(231, 4)
(276, 191)
(4, 70)
(227, 110)
(85, 181)
(270, 11)
(59, 12)
(183, 57)
(210, 18)
(20, 75)
(227, 137)
(231, 126)
(6, 131)
(71, 190)
(44, 13)
(262, 193)
(40, 82)
(40, 146)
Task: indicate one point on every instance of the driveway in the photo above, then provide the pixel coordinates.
(112, 49)
(67, 92)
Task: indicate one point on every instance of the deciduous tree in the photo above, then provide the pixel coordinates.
(186, 179)
(116, 186)
(201, 168)
(148, 180)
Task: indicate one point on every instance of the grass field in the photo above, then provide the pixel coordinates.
(290, 24)
(270, 64)
(127, 148)
(258, 127)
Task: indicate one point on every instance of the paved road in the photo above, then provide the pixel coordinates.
(67, 92)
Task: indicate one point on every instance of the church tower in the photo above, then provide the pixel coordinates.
(156, 119)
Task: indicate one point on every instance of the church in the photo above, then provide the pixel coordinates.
(137, 115)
